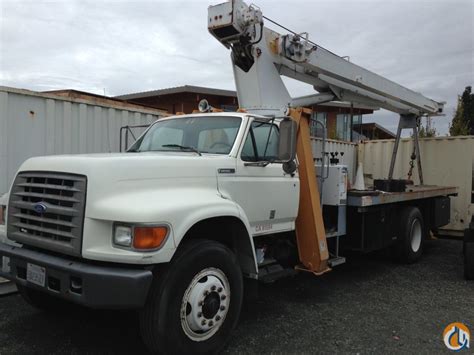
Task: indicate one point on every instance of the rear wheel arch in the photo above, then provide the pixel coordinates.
(230, 231)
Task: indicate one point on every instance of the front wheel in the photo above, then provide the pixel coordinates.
(194, 302)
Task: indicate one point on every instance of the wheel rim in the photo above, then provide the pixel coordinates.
(416, 235)
(205, 304)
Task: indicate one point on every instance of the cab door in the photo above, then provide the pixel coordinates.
(268, 196)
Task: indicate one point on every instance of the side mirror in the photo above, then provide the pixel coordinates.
(287, 143)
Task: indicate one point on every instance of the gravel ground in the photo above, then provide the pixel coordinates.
(368, 305)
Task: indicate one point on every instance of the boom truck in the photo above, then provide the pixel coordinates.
(203, 204)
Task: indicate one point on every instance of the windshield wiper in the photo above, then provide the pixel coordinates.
(182, 147)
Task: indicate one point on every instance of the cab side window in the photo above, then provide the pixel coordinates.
(261, 143)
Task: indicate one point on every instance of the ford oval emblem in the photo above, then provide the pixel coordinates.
(40, 208)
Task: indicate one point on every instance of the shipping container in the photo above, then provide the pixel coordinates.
(446, 161)
(35, 124)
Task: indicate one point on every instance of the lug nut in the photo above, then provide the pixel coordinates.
(211, 323)
(218, 318)
(213, 288)
(200, 314)
(222, 308)
(203, 322)
(219, 289)
(223, 297)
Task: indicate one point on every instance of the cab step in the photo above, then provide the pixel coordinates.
(338, 260)
(271, 273)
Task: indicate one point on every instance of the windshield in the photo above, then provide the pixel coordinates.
(214, 135)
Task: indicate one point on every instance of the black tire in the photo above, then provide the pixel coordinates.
(160, 322)
(409, 247)
(40, 300)
(469, 260)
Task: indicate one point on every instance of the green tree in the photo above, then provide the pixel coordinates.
(427, 132)
(468, 105)
(463, 120)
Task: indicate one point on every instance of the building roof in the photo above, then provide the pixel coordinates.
(84, 99)
(219, 92)
(98, 99)
(372, 126)
(178, 90)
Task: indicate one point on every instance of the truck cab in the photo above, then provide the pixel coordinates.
(102, 230)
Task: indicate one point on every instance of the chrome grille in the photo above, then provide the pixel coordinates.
(46, 210)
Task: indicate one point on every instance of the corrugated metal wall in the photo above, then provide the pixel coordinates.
(349, 149)
(447, 161)
(34, 124)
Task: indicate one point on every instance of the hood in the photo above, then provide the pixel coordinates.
(133, 166)
(139, 186)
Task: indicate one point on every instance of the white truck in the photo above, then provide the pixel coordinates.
(203, 202)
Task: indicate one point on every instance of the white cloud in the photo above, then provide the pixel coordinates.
(130, 46)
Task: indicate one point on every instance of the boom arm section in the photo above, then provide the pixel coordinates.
(260, 56)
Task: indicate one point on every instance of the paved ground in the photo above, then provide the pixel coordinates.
(369, 305)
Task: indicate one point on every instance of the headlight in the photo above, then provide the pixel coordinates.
(123, 236)
(140, 237)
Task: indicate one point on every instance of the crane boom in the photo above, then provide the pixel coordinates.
(261, 56)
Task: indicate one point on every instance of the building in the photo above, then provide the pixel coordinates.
(371, 131)
(184, 98)
(335, 115)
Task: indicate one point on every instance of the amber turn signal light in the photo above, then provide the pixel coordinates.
(146, 238)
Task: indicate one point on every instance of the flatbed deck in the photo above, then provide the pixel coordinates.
(413, 192)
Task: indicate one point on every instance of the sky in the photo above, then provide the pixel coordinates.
(116, 47)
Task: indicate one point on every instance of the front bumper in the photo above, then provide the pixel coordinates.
(95, 286)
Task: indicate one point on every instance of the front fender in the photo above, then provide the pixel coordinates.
(180, 206)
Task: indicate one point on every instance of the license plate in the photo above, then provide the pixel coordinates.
(35, 274)
(6, 264)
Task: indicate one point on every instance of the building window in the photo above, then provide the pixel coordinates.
(316, 129)
(343, 125)
(356, 129)
(357, 119)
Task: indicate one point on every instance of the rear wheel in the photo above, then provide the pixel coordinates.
(194, 302)
(411, 235)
